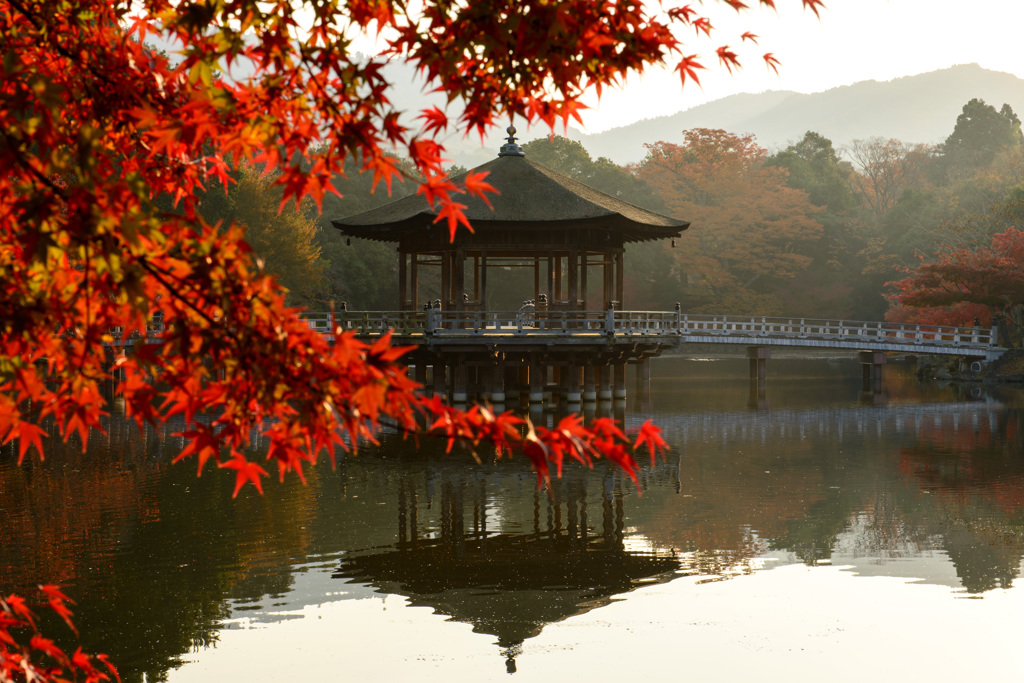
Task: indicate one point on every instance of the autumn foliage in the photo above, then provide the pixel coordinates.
(755, 231)
(962, 283)
(101, 133)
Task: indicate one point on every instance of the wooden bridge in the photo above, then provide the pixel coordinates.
(582, 354)
(670, 328)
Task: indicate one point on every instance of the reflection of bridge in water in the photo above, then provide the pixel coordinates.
(683, 428)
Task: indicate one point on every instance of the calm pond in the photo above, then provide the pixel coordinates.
(815, 531)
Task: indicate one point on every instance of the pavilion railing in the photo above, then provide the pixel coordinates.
(530, 323)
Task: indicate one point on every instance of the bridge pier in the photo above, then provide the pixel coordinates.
(759, 356)
(871, 363)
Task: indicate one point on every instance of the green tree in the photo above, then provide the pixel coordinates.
(980, 133)
(284, 239)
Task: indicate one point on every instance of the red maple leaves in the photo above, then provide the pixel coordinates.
(39, 658)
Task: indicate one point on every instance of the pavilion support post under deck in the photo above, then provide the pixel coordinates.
(460, 393)
(589, 383)
(496, 383)
(538, 378)
(440, 379)
(620, 381)
(421, 372)
(571, 378)
(604, 391)
(512, 382)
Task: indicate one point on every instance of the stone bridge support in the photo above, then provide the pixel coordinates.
(871, 363)
(759, 356)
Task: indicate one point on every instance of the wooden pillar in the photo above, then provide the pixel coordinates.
(589, 383)
(538, 378)
(476, 278)
(619, 280)
(620, 381)
(460, 392)
(551, 277)
(483, 281)
(460, 278)
(496, 383)
(512, 382)
(571, 378)
(446, 280)
(536, 278)
(574, 269)
(608, 281)
(584, 262)
(604, 390)
(415, 275)
(440, 379)
(559, 292)
(421, 371)
(403, 260)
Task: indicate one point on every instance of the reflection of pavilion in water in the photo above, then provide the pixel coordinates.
(565, 559)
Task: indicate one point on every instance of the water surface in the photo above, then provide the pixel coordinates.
(806, 529)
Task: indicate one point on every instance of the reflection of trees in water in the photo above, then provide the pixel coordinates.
(752, 482)
(150, 553)
(973, 475)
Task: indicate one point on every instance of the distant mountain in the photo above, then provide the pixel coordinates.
(920, 108)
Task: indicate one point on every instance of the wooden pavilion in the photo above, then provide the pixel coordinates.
(543, 220)
(561, 229)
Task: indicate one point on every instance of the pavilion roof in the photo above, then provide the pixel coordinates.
(532, 197)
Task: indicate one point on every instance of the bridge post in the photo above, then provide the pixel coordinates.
(759, 356)
(871, 363)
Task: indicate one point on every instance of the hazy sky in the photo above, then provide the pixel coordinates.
(854, 40)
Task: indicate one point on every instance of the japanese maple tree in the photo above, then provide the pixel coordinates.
(99, 131)
(987, 282)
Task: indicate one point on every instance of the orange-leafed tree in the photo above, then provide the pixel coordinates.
(755, 232)
(100, 132)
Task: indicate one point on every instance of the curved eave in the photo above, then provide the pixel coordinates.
(531, 197)
(625, 229)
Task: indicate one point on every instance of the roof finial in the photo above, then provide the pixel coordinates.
(510, 148)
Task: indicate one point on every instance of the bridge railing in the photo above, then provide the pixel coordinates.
(435, 322)
(804, 328)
